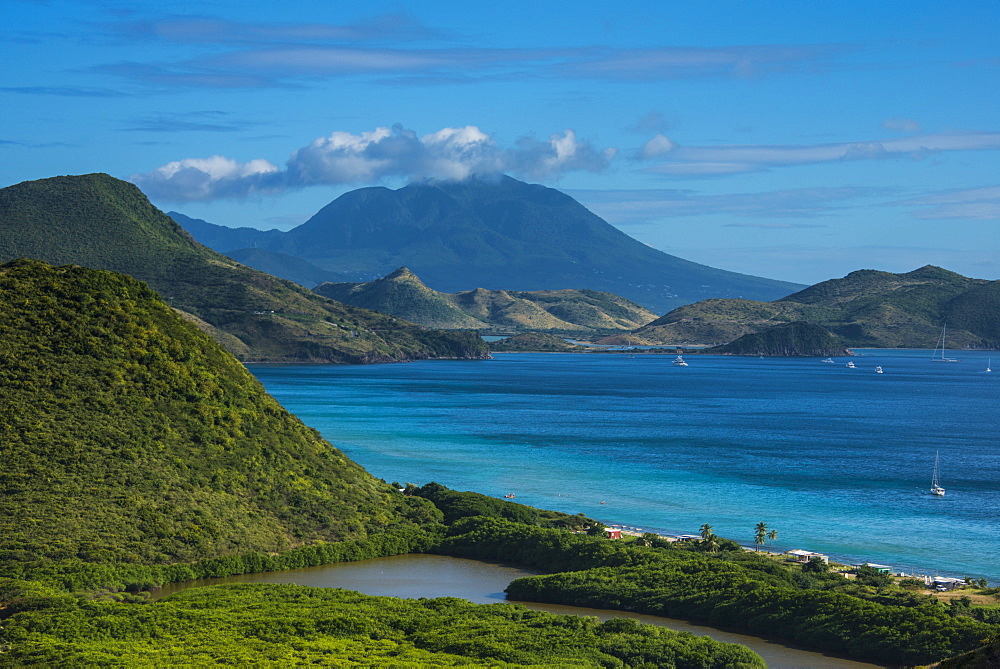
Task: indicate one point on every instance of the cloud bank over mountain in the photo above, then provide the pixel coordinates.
(344, 158)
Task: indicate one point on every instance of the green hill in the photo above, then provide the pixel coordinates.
(788, 340)
(866, 308)
(495, 233)
(568, 311)
(536, 341)
(128, 435)
(100, 222)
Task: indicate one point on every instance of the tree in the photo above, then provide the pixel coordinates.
(760, 534)
(772, 535)
(597, 530)
(816, 565)
(706, 531)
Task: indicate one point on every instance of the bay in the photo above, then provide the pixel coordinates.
(836, 460)
(414, 576)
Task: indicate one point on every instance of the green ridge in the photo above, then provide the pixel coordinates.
(866, 308)
(567, 311)
(104, 223)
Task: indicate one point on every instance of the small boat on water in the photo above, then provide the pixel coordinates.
(850, 364)
(988, 361)
(878, 369)
(939, 349)
(829, 361)
(936, 488)
(679, 362)
(509, 495)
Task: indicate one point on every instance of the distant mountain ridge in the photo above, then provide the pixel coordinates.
(101, 222)
(867, 308)
(495, 234)
(403, 294)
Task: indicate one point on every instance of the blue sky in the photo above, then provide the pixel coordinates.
(798, 141)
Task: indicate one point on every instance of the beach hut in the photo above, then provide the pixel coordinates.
(613, 532)
(804, 556)
(884, 568)
(943, 583)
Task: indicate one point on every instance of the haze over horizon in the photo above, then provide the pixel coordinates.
(792, 143)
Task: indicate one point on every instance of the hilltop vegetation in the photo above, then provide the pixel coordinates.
(128, 435)
(568, 311)
(103, 223)
(788, 340)
(866, 308)
(494, 233)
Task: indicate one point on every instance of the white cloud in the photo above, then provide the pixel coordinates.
(901, 125)
(981, 204)
(209, 179)
(344, 158)
(684, 160)
(657, 146)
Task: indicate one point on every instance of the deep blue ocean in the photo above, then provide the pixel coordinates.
(836, 460)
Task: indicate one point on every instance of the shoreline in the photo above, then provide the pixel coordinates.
(834, 560)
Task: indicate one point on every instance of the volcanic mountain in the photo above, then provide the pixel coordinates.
(496, 233)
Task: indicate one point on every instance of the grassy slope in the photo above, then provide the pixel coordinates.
(128, 435)
(101, 222)
(403, 294)
(865, 308)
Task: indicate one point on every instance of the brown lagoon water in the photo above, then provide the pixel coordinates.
(415, 576)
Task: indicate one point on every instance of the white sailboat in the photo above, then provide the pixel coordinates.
(939, 348)
(936, 488)
(988, 361)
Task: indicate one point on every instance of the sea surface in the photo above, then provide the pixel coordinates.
(837, 460)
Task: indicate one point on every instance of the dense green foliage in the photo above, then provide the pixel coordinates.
(456, 505)
(536, 341)
(791, 339)
(103, 223)
(865, 309)
(289, 624)
(738, 590)
(128, 435)
(498, 234)
(565, 311)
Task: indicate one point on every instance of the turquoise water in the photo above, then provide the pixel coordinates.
(836, 460)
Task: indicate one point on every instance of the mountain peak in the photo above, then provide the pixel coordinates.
(403, 274)
(501, 233)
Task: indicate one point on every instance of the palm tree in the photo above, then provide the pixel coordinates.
(772, 535)
(706, 532)
(760, 534)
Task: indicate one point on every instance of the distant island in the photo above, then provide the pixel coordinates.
(865, 309)
(494, 233)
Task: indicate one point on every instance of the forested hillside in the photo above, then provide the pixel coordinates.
(128, 435)
(104, 223)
